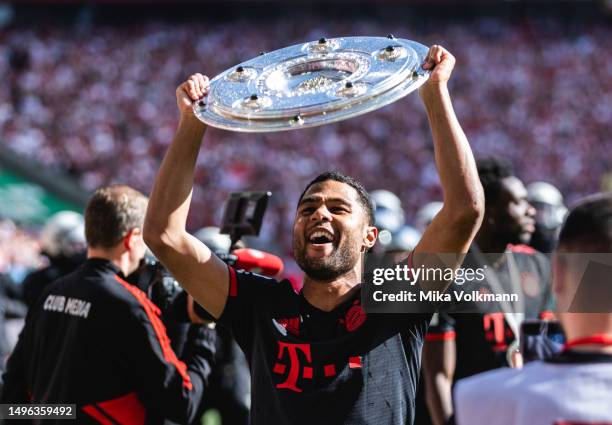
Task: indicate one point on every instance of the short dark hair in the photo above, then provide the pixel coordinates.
(491, 172)
(111, 213)
(364, 196)
(589, 224)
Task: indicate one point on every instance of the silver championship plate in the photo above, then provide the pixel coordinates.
(313, 83)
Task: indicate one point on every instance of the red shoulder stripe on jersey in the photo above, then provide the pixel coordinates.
(522, 249)
(442, 336)
(160, 330)
(93, 411)
(127, 410)
(233, 287)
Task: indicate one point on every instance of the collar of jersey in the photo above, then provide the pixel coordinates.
(103, 264)
(339, 310)
(573, 356)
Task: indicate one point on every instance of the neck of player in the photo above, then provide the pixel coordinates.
(489, 243)
(328, 295)
(583, 327)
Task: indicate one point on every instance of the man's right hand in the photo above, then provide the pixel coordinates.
(192, 264)
(195, 88)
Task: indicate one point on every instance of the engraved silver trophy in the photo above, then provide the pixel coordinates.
(314, 83)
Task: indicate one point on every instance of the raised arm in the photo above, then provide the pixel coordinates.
(195, 267)
(455, 226)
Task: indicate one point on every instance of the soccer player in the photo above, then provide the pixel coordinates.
(316, 357)
(575, 386)
(464, 344)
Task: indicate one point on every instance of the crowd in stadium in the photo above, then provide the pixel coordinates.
(97, 101)
(19, 250)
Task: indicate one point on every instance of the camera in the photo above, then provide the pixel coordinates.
(243, 216)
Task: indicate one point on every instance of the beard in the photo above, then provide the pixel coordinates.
(341, 261)
(513, 235)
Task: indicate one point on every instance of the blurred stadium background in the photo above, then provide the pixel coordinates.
(87, 98)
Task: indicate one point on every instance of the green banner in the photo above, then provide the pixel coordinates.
(26, 202)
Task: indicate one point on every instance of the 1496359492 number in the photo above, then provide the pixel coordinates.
(38, 411)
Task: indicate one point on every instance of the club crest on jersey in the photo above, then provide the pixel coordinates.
(355, 317)
(291, 325)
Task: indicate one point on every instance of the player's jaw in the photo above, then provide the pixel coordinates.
(527, 228)
(325, 252)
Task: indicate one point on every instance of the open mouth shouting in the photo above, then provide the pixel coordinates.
(320, 241)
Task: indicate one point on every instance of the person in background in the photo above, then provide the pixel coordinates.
(63, 242)
(574, 386)
(388, 218)
(463, 344)
(550, 212)
(94, 340)
(11, 308)
(426, 214)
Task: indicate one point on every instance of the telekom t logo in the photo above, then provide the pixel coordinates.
(294, 364)
(496, 330)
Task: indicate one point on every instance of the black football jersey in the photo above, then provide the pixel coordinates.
(309, 366)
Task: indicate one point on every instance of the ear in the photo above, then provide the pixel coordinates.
(130, 239)
(369, 238)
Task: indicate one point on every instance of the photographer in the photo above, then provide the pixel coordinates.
(94, 340)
